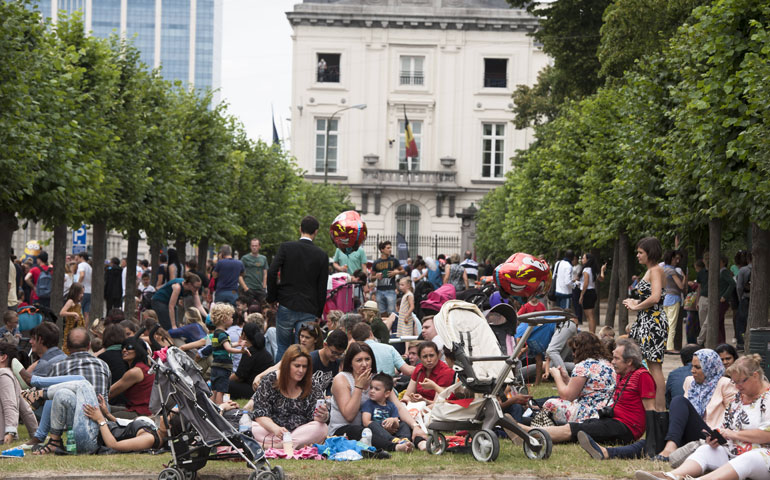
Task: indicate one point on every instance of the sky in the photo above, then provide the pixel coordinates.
(256, 64)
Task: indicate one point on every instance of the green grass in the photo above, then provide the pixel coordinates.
(567, 460)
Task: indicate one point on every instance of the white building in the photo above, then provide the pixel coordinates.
(452, 66)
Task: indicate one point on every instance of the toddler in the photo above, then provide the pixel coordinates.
(380, 415)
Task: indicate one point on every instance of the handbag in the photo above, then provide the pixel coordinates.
(552, 290)
(542, 419)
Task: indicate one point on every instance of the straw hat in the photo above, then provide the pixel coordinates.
(371, 305)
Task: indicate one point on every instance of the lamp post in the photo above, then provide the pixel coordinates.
(360, 106)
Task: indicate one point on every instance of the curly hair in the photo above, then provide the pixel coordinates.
(587, 345)
(220, 312)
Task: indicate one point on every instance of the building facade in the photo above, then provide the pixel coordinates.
(184, 37)
(450, 67)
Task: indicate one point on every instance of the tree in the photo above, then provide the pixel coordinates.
(634, 28)
(27, 88)
(710, 117)
(569, 33)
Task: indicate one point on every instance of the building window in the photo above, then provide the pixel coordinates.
(408, 224)
(494, 147)
(411, 164)
(320, 145)
(412, 72)
(495, 73)
(328, 70)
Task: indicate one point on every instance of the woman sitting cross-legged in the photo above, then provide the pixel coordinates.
(707, 395)
(285, 402)
(350, 391)
(746, 429)
(591, 385)
(431, 368)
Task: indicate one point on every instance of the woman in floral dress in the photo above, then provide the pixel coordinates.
(651, 328)
(591, 384)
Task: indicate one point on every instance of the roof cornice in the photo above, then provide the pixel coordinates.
(331, 15)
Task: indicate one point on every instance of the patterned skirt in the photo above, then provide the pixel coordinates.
(651, 331)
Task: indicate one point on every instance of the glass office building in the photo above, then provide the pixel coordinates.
(183, 37)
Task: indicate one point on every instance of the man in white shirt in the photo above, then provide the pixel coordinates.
(563, 277)
(84, 277)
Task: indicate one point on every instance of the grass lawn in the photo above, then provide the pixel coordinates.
(567, 460)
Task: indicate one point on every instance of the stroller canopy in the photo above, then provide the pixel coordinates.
(463, 323)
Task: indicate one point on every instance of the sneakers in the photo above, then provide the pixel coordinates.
(678, 456)
(590, 446)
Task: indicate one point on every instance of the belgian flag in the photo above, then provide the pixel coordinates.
(411, 145)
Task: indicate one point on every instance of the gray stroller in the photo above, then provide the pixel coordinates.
(484, 371)
(178, 382)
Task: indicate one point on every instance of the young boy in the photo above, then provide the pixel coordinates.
(222, 365)
(535, 305)
(381, 415)
(11, 324)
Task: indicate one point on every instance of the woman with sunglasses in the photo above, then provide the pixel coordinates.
(745, 431)
(136, 383)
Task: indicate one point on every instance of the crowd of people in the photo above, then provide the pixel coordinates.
(263, 332)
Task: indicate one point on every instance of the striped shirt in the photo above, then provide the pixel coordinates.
(95, 371)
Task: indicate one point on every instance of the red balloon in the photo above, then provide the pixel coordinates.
(523, 275)
(348, 231)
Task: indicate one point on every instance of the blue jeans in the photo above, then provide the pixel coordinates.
(45, 417)
(386, 301)
(85, 304)
(287, 325)
(563, 299)
(225, 296)
(67, 401)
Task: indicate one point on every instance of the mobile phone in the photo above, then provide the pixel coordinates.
(715, 434)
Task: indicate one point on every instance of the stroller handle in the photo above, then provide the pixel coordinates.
(547, 316)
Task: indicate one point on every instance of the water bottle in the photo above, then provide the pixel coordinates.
(288, 445)
(71, 446)
(366, 437)
(244, 424)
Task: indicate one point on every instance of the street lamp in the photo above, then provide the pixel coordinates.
(360, 106)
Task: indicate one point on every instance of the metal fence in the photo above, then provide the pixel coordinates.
(425, 245)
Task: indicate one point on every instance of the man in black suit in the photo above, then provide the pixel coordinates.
(301, 294)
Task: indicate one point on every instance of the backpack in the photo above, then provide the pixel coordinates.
(146, 301)
(44, 283)
(29, 317)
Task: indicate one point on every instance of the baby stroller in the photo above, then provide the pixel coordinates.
(478, 358)
(178, 382)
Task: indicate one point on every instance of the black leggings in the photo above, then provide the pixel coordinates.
(240, 390)
(381, 439)
(685, 424)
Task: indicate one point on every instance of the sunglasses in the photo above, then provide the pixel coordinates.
(128, 347)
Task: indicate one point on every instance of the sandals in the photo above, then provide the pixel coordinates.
(34, 397)
(53, 446)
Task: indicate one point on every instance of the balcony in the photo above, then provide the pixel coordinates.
(424, 179)
(412, 78)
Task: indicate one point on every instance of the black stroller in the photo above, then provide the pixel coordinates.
(178, 382)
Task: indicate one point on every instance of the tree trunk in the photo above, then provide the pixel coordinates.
(715, 240)
(99, 232)
(8, 225)
(759, 298)
(60, 265)
(612, 300)
(155, 247)
(203, 255)
(181, 249)
(133, 247)
(623, 280)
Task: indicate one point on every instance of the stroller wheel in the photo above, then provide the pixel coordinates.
(436, 443)
(170, 474)
(541, 451)
(485, 446)
(189, 474)
(278, 473)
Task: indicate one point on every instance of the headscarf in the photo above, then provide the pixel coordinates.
(700, 393)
